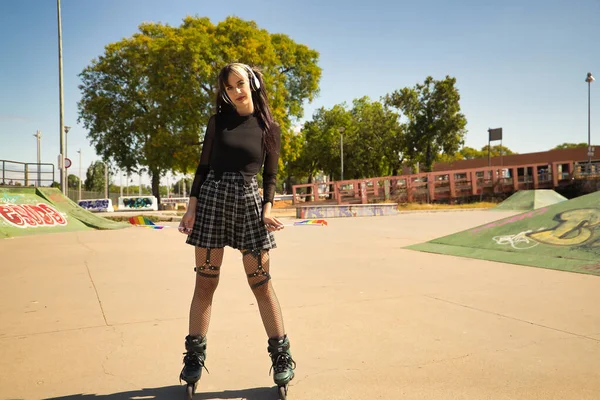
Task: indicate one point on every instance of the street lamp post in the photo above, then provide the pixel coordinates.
(589, 81)
(67, 129)
(38, 135)
(342, 129)
(105, 180)
(140, 172)
(61, 160)
(79, 151)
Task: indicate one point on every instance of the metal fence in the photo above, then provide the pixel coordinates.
(585, 170)
(15, 173)
(73, 194)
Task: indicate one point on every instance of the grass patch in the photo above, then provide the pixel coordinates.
(282, 204)
(153, 218)
(287, 204)
(421, 207)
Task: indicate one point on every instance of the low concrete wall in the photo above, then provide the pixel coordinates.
(344, 211)
(138, 203)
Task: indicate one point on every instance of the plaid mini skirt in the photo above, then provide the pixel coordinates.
(229, 213)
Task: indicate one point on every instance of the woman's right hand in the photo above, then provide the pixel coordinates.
(187, 222)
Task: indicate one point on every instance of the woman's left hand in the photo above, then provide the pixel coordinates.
(272, 223)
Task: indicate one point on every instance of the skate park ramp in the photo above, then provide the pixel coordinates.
(33, 211)
(564, 236)
(527, 200)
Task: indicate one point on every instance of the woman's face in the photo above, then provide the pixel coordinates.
(238, 89)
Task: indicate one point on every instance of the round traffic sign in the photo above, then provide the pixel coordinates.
(68, 162)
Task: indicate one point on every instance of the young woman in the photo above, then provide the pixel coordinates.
(225, 209)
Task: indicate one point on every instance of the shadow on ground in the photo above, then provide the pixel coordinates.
(178, 392)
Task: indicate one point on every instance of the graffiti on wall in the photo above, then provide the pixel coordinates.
(580, 227)
(31, 215)
(347, 211)
(572, 228)
(520, 241)
(138, 203)
(8, 199)
(96, 205)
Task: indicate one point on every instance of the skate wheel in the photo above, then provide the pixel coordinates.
(190, 390)
(282, 392)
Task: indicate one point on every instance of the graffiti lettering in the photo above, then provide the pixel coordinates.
(25, 215)
(11, 216)
(47, 219)
(95, 205)
(516, 218)
(29, 215)
(315, 213)
(53, 213)
(139, 202)
(9, 199)
(347, 211)
(519, 241)
(33, 214)
(575, 227)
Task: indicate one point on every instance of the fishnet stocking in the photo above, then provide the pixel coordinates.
(208, 263)
(256, 265)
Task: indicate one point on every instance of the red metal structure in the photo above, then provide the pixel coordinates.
(456, 183)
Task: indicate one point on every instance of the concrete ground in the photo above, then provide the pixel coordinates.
(176, 215)
(103, 315)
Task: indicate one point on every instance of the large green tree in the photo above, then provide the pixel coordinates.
(495, 151)
(147, 99)
(95, 177)
(469, 153)
(182, 185)
(72, 181)
(319, 142)
(570, 146)
(378, 146)
(435, 125)
(373, 141)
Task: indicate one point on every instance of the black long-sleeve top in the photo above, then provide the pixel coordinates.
(234, 143)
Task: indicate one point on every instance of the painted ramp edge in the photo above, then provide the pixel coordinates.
(526, 200)
(530, 260)
(30, 211)
(563, 236)
(68, 206)
(24, 213)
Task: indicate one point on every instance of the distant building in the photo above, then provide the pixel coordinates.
(579, 155)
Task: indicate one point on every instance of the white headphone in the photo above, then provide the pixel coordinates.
(254, 82)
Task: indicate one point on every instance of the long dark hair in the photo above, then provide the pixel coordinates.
(259, 99)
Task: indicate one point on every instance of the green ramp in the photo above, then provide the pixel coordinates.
(71, 208)
(526, 200)
(564, 236)
(30, 211)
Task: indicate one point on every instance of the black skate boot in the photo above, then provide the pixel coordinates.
(194, 362)
(283, 364)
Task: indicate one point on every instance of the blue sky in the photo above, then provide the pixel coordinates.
(520, 65)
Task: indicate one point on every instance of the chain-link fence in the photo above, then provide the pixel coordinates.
(73, 194)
